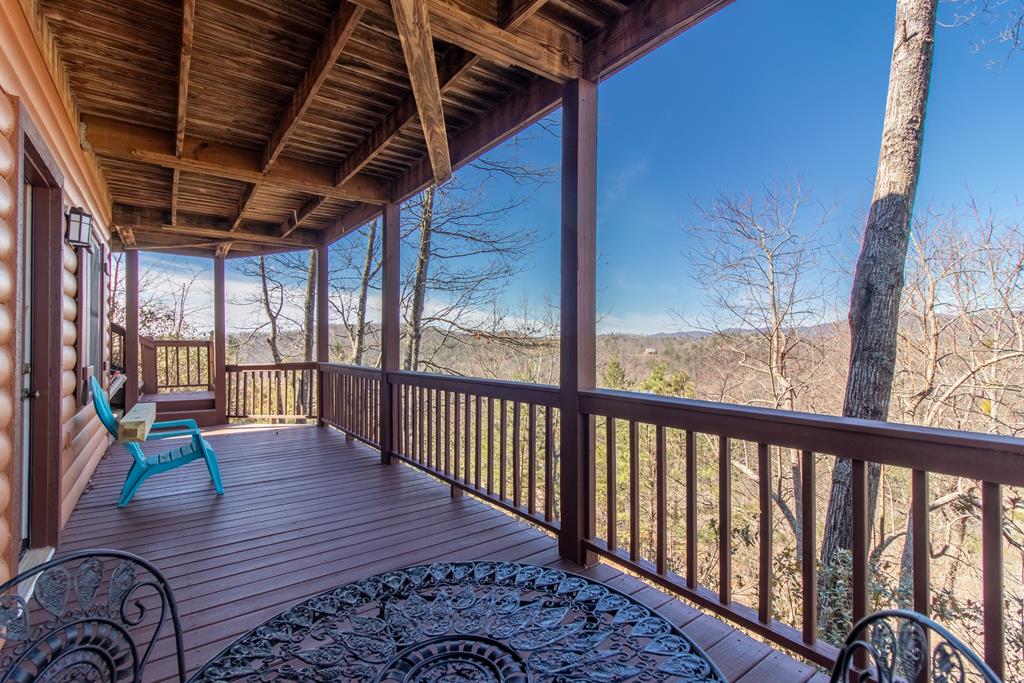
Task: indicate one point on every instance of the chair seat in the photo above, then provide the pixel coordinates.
(186, 451)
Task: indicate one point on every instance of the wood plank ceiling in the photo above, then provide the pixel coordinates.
(248, 126)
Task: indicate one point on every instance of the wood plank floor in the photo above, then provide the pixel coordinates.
(306, 510)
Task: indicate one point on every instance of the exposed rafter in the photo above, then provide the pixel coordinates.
(117, 139)
(188, 15)
(413, 24)
(144, 221)
(344, 22)
(547, 50)
(338, 33)
(297, 217)
(455, 64)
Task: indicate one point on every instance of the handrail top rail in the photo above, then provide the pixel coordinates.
(288, 365)
(945, 451)
(361, 370)
(540, 394)
(157, 341)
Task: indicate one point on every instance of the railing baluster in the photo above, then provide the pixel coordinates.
(477, 430)
(447, 432)
(992, 576)
(467, 444)
(456, 434)
(724, 521)
(609, 428)
(691, 509)
(502, 449)
(549, 465)
(517, 480)
(661, 516)
(634, 491)
(531, 471)
(859, 495)
(809, 547)
(764, 578)
(438, 453)
(490, 445)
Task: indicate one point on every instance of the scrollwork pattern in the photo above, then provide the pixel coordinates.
(895, 645)
(89, 616)
(465, 621)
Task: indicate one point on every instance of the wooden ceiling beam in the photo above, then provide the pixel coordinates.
(243, 205)
(647, 24)
(150, 221)
(545, 49)
(188, 15)
(413, 24)
(338, 32)
(297, 217)
(117, 139)
(456, 63)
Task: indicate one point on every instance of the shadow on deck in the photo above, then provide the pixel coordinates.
(306, 510)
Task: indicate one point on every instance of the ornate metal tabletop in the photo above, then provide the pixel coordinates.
(465, 621)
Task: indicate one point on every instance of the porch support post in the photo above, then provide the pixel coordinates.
(390, 325)
(323, 319)
(219, 341)
(578, 359)
(131, 326)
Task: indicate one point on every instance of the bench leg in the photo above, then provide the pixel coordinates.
(135, 477)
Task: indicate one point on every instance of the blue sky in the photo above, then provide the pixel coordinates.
(764, 91)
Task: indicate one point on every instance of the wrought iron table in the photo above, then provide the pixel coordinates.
(465, 621)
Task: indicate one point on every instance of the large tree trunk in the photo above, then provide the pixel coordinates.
(364, 287)
(419, 287)
(878, 281)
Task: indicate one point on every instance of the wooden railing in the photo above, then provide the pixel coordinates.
(283, 391)
(992, 460)
(499, 441)
(176, 364)
(350, 400)
(117, 337)
(496, 440)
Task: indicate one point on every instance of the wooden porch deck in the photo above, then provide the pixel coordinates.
(306, 510)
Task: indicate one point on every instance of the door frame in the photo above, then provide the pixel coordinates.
(40, 169)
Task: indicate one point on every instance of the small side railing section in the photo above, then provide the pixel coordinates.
(176, 364)
(117, 337)
(496, 440)
(643, 443)
(350, 396)
(281, 391)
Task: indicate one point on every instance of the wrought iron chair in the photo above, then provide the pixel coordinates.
(898, 644)
(93, 615)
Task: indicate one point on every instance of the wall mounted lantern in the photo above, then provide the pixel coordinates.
(79, 227)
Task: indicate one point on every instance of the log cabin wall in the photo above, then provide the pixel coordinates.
(32, 98)
(9, 168)
(83, 437)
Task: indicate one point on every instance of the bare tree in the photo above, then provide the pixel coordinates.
(759, 259)
(466, 256)
(878, 279)
(1004, 18)
(355, 266)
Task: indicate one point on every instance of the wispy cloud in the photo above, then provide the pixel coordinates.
(616, 184)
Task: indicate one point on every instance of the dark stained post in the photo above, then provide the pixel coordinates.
(323, 320)
(577, 350)
(219, 341)
(390, 330)
(131, 326)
